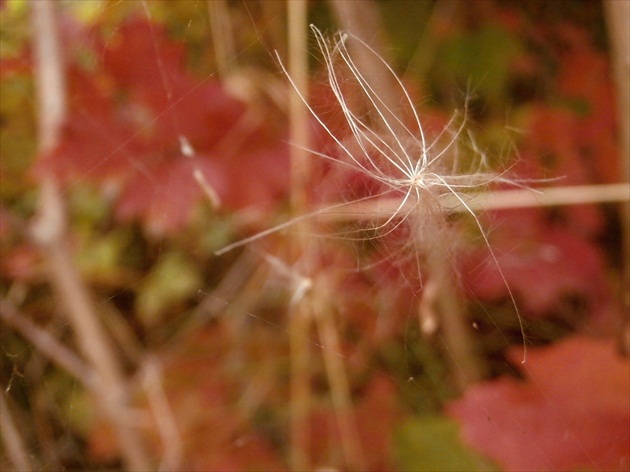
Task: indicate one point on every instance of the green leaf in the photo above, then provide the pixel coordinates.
(432, 443)
(171, 281)
(480, 59)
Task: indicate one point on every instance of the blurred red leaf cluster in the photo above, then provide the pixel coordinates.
(570, 412)
(547, 268)
(144, 130)
(551, 258)
(141, 124)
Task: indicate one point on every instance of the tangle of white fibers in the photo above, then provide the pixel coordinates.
(382, 147)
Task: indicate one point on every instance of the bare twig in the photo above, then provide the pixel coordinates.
(48, 345)
(11, 438)
(362, 20)
(49, 231)
(339, 382)
(484, 201)
(618, 19)
(162, 413)
(222, 38)
(300, 319)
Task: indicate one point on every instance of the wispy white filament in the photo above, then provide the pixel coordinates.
(389, 152)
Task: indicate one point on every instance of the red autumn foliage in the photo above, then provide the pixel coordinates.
(377, 415)
(129, 122)
(546, 267)
(204, 389)
(571, 411)
(140, 125)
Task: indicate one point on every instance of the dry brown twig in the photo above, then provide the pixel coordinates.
(618, 23)
(49, 230)
(11, 438)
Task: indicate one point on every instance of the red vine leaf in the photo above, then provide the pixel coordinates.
(571, 412)
(128, 122)
(544, 266)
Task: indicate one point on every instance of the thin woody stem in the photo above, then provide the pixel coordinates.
(12, 441)
(617, 14)
(483, 201)
(49, 231)
(300, 316)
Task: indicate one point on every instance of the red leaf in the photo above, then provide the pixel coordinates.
(542, 265)
(165, 198)
(97, 144)
(215, 429)
(139, 56)
(127, 122)
(572, 412)
(14, 66)
(377, 414)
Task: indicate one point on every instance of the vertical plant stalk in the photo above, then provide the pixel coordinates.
(50, 232)
(300, 317)
(48, 345)
(363, 23)
(339, 385)
(11, 439)
(313, 306)
(222, 37)
(617, 17)
(362, 20)
(464, 366)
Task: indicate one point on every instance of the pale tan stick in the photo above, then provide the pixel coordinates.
(458, 343)
(162, 414)
(47, 345)
(49, 230)
(11, 439)
(339, 383)
(553, 196)
(362, 20)
(618, 22)
(426, 49)
(484, 201)
(222, 38)
(300, 314)
(315, 304)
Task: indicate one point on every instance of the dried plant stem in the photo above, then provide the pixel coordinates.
(553, 196)
(49, 230)
(617, 17)
(300, 403)
(222, 38)
(361, 19)
(47, 344)
(300, 315)
(91, 338)
(339, 385)
(484, 201)
(426, 50)
(162, 414)
(466, 369)
(11, 439)
(313, 305)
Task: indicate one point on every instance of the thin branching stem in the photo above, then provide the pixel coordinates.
(50, 232)
(11, 438)
(48, 345)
